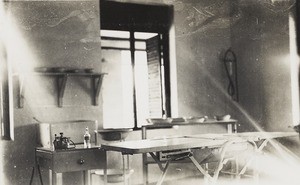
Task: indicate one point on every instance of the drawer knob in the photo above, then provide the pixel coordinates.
(81, 161)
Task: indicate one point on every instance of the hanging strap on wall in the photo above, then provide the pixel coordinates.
(230, 64)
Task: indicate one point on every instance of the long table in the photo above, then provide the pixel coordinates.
(176, 148)
(231, 126)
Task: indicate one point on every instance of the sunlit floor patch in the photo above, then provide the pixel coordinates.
(272, 168)
(232, 181)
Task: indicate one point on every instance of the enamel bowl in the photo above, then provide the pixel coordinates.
(114, 134)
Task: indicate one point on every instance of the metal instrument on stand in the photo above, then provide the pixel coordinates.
(61, 142)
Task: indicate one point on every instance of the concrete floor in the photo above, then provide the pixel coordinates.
(222, 180)
(272, 170)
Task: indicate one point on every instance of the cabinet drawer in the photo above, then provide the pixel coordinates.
(78, 160)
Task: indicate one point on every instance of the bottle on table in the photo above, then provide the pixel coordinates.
(87, 138)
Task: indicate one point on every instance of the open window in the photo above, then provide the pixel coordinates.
(135, 53)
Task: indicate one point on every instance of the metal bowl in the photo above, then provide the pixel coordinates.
(114, 134)
(223, 117)
(159, 120)
(200, 119)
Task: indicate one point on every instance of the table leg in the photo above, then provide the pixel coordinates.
(200, 168)
(235, 125)
(128, 168)
(87, 177)
(145, 165)
(206, 168)
(144, 132)
(124, 170)
(105, 169)
(52, 177)
(232, 128)
(55, 178)
(236, 169)
(229, 128)
(163, 175)
(145, 169)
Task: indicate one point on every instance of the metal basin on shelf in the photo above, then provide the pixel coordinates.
(114, 134)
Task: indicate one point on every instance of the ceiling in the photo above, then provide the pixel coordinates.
(117, 15)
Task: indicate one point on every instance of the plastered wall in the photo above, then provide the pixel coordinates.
(258, 34)
(261, 41)
(48, 34)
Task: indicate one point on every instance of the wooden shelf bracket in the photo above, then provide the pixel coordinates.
(61, 81)
(61, 86)
(96, 86)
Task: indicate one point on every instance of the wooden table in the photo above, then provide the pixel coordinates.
(70, 160)
(201, 141)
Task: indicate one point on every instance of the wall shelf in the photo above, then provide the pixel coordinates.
(61, 81)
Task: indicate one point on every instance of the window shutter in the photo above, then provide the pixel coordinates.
(154, 77)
